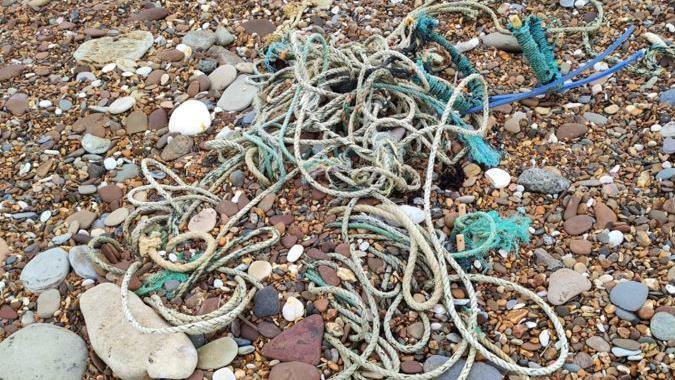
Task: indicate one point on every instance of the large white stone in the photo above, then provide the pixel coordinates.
(131, 354)
(132, 45)
(43, 351)
(46, 271)
(190, 118)
(499, 178)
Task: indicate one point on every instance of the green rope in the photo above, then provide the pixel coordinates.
(157, 281)
(539, 54)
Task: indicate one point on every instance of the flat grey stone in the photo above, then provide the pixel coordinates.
(79, 260)
(595, 118)
(94, 144)
(668, 97)
(505, 42)
(132, 45)
(48, 303)
(46, 271)
(199, 39)
(479, 370)
(127, 171)
(662, 326)
(629, 295)
(238, 95)
(42, 351)
(543, 181)
(224, 37)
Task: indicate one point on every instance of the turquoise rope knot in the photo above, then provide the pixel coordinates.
(532, 39)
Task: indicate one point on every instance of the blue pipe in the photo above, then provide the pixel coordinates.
(498, 100)
(568, 86)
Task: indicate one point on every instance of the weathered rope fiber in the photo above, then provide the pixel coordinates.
(350, 120)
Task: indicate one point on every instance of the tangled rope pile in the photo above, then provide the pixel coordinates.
(350, 120)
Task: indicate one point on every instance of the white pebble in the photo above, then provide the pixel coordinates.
(45, 104)
(108, 68)
(294, 253)
(499, 178)
(144, 71)
(605, 179)
(218, 283)
(544, 338)
(224, 374)
(109, 163)
(190, 118)
(415, 214)
(293, 309)
(615, 238)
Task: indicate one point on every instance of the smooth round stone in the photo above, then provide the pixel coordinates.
(293, 371)
(614, 238)
(200, 39)
(662, 326)
(217, 353)
(565, 284)
(204, 221)
(86, 76)
(48, 303)
(79, 260)
(224, 374)
(127, 171)
(479, 370)
(109, 163)
(43, 351)
(190, 118)
(224, 37)
(598, 344)
(238, 95)
(86, 189)
(65, 104)
(121, 105)
(222, 77)
(266, 302)
(293, 309)
(116, 217)
(245, 350)
(294, 253)
(578, 224)
(629, 295)
(260, 270)
(415, 214)
(144, 71)
(94, 144)
(499, 178)
(46, 271)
